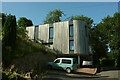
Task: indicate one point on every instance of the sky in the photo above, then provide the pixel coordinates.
(60, 0)
(37, 11)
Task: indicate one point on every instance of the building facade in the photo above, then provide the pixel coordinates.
(67, 38)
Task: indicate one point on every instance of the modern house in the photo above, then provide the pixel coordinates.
(67, 38)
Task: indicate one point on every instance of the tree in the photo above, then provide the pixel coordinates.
(21, 32)
(24, 22)
(54, 16)
(9, 31)
(99, 47)
(110, 27)
(3, 18)
(88, 20)
(0, 26)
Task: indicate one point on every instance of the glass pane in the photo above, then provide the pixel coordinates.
(57, 61)
(71, 30)
(66, 61)
(86, 30)
(51, 33)
(71, 45)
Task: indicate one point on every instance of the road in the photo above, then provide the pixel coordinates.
(62, 75)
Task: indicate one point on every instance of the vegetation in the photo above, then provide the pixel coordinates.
(23, 22)
(0, 26)
(9, 31)
(109, 27)
(16, 45)
(54, 16)
(88, 20)
(12, 74)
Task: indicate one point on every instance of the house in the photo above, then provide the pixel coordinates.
(67, 38)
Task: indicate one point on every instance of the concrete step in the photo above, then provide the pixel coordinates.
(87, 70)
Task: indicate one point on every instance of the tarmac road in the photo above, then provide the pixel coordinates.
(62, 75)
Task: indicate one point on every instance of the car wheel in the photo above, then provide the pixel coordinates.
(49, 67)
(68, 70)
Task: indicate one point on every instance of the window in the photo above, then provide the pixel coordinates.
(57, 61)
(66, 61)
(86, 30)
(71, 45)
(71, 31)
(51, 33)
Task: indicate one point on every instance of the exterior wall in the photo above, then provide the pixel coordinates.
(61, 37)
(80, 38)
(30, 30)
(43, 33)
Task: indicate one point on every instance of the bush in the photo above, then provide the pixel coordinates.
(11, 74)
(107, 62)
(8, 75)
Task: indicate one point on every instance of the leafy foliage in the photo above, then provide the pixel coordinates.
(3, 18)
(99, 47)
(22, 32)
(54, 16)
(16, 43)
(0, 26)
(11, 74)
(9, 37)
(110, 28)
(88, 20)
(9, 31)
(23, 22)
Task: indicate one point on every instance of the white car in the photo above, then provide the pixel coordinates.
(87, 63)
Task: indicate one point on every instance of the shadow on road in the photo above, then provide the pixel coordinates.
(51, 79)
(109, 68)
(82, 73)
(62, 75)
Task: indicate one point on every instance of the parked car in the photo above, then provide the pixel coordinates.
(68, 64)
(87, 63)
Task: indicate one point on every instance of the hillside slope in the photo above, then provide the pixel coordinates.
(27, 55)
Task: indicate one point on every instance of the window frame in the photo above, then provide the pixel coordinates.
(70, 30)
(70, 45)
(66, 61)
(50, 32)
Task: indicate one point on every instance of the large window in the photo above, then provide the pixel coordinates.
(71, 45)
(51, 33)
(71, 31)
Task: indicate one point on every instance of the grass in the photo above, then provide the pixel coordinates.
(23, 47)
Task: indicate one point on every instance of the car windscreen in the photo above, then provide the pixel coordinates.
(65, 61)
(57, 61)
